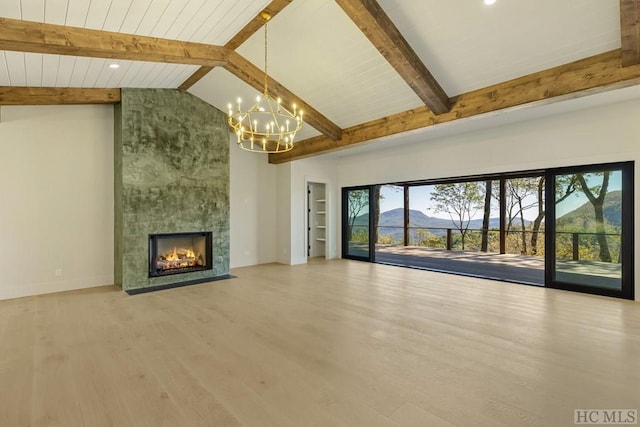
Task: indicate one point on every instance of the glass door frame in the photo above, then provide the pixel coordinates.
(345, 224)
(627, 235)
(627, 290)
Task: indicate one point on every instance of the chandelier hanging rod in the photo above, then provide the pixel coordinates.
(267, 126)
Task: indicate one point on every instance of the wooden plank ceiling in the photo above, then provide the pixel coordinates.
(194, 52)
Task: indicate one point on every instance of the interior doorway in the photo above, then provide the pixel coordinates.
(316, 219)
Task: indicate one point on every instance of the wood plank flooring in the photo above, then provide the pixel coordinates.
(331, 343)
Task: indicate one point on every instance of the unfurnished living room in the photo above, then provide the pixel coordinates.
(319, 212)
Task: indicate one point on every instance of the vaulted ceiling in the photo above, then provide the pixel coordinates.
(361, 69)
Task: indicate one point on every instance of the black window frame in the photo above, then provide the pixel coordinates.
(627, 290)
(628, 237)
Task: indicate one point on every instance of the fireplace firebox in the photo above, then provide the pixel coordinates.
(178, 253)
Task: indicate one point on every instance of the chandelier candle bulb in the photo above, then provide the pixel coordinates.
(270, 124)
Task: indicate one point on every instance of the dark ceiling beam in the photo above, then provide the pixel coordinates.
(587, 76)
(630, 31)
(253, 76)
(385, 36)
(15, 95)
(26, 36)
(243, 35)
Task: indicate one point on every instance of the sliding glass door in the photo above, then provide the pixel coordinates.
(568, 228)
(357, 223)
(590, 248)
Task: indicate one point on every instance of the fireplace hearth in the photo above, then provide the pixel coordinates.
(178, 253)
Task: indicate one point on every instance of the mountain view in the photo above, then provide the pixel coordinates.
(580, 219)
(392, 222)
(583, 218)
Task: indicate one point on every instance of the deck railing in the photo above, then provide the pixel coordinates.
(577, 246)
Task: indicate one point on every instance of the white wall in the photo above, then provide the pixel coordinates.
(56, 198)
(598, 135)
(313, 170)
(292, 210)
(253, 208)
(283, 214)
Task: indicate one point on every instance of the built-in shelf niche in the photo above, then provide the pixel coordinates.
(317, 219)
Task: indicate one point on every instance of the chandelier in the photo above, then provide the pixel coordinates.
(267, 126)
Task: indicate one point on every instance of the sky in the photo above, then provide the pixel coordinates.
(577, 200)
(420, 199)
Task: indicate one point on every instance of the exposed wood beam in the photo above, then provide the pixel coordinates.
(595, 74)
(25, 36)
(252, 75)
(630, 31)
(385, 36)
(14, 95)
(254, 25)
(195, 77)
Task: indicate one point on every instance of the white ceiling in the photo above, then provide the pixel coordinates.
(318, 53)
(467, 45)
(203, 21)
(338, 72)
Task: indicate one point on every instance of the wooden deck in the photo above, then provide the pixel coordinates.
(508, 267)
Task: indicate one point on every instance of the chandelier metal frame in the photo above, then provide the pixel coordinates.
(267, 126)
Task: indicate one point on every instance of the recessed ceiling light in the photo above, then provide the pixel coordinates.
(489, 2)
(114, 66)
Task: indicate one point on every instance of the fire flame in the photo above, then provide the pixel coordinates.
(178, 259)
(175, 257)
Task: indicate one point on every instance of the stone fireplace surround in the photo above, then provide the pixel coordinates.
(171, 176)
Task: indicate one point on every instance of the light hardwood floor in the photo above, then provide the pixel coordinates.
(335, 343)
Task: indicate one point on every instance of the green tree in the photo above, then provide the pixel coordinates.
(537, 222)
(566, 185)
(484, 244)
(596, 195)
(518, 192)
(376, 211)
(426, 238)
(358, 200)
(461, 201)
(378, 195)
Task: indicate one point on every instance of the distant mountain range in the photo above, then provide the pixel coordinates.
(392, 222)
(583, 218)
